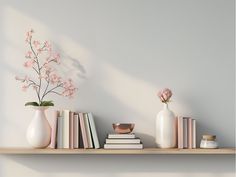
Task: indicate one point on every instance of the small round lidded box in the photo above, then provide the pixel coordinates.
(209, 142)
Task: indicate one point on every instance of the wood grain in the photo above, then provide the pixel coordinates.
(152, 151)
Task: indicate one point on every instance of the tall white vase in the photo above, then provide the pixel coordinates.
(39, 131)
(166, 134)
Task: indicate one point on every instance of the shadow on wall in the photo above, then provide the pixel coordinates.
(123, 164)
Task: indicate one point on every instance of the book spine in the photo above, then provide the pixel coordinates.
(88, 131)
(190, 133)
(54, 129)
(66, 128)
(185, 132)
(93, 131)
(180, 132)
(194, 133)
(71, 130)
(76, 131)
(83, 130)
(60, 132)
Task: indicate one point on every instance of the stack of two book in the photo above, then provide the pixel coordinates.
(186, 132)
(123, 141)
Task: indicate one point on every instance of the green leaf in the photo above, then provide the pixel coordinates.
(46, 103)
(31, 104)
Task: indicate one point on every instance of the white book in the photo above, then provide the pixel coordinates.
(123, 146)
(120, 136)
(66, 128)
(185, 132)
(60, 132)
(76, 131)
(93, 131)
(88, 131)
(123, 141)
(194, 133)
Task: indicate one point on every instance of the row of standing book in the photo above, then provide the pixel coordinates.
(73, 130)
(186, 127)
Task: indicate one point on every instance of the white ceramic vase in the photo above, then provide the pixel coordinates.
(39, 131)
(166, 134)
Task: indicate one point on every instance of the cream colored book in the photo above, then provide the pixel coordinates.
(93, 131)
(88, 131)
(130, 135)
(180, 132)
(123, 141)
(66, 128)
(123, 146)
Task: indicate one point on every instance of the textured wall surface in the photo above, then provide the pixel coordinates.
(120, 53)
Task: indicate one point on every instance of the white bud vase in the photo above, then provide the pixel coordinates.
(39, 131)
(166, 128)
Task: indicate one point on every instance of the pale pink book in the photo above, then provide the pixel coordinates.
(83, 130)
(194, 133)
(180, 132)
(71, 130)
(54, 129)
(190, 133)
(185, 132)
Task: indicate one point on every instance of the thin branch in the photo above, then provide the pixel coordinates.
(52, 89)
(35, 70)
(56, 93)
(39, 72)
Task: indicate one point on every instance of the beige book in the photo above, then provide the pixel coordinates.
(66, 128)
(180, 132)
(88, 131)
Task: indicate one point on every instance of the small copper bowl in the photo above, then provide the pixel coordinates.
(122, 128)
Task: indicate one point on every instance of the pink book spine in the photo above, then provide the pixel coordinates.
(54, 129)
(185, 132)
(194, 134)
(180, 133)
(71, 130)
(190, 133)
(83, 130)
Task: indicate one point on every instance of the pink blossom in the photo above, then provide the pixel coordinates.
(29, 35)
(165, 95)
(47, 46)
(24, 88)
(36, 44)
(54, 78)
(28, 54)
(56, 57)
(29, 63)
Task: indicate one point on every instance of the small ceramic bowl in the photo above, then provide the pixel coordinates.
(122, 128)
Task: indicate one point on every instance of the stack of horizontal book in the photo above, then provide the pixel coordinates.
(73, 130)
(123, 141)
(186, 132)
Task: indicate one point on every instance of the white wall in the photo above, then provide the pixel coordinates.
(128, 50)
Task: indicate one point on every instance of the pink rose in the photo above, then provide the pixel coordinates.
(165, 95)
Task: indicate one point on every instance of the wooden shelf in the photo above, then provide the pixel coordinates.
(152, 151)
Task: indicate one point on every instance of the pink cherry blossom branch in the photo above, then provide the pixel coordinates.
(48, 80)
